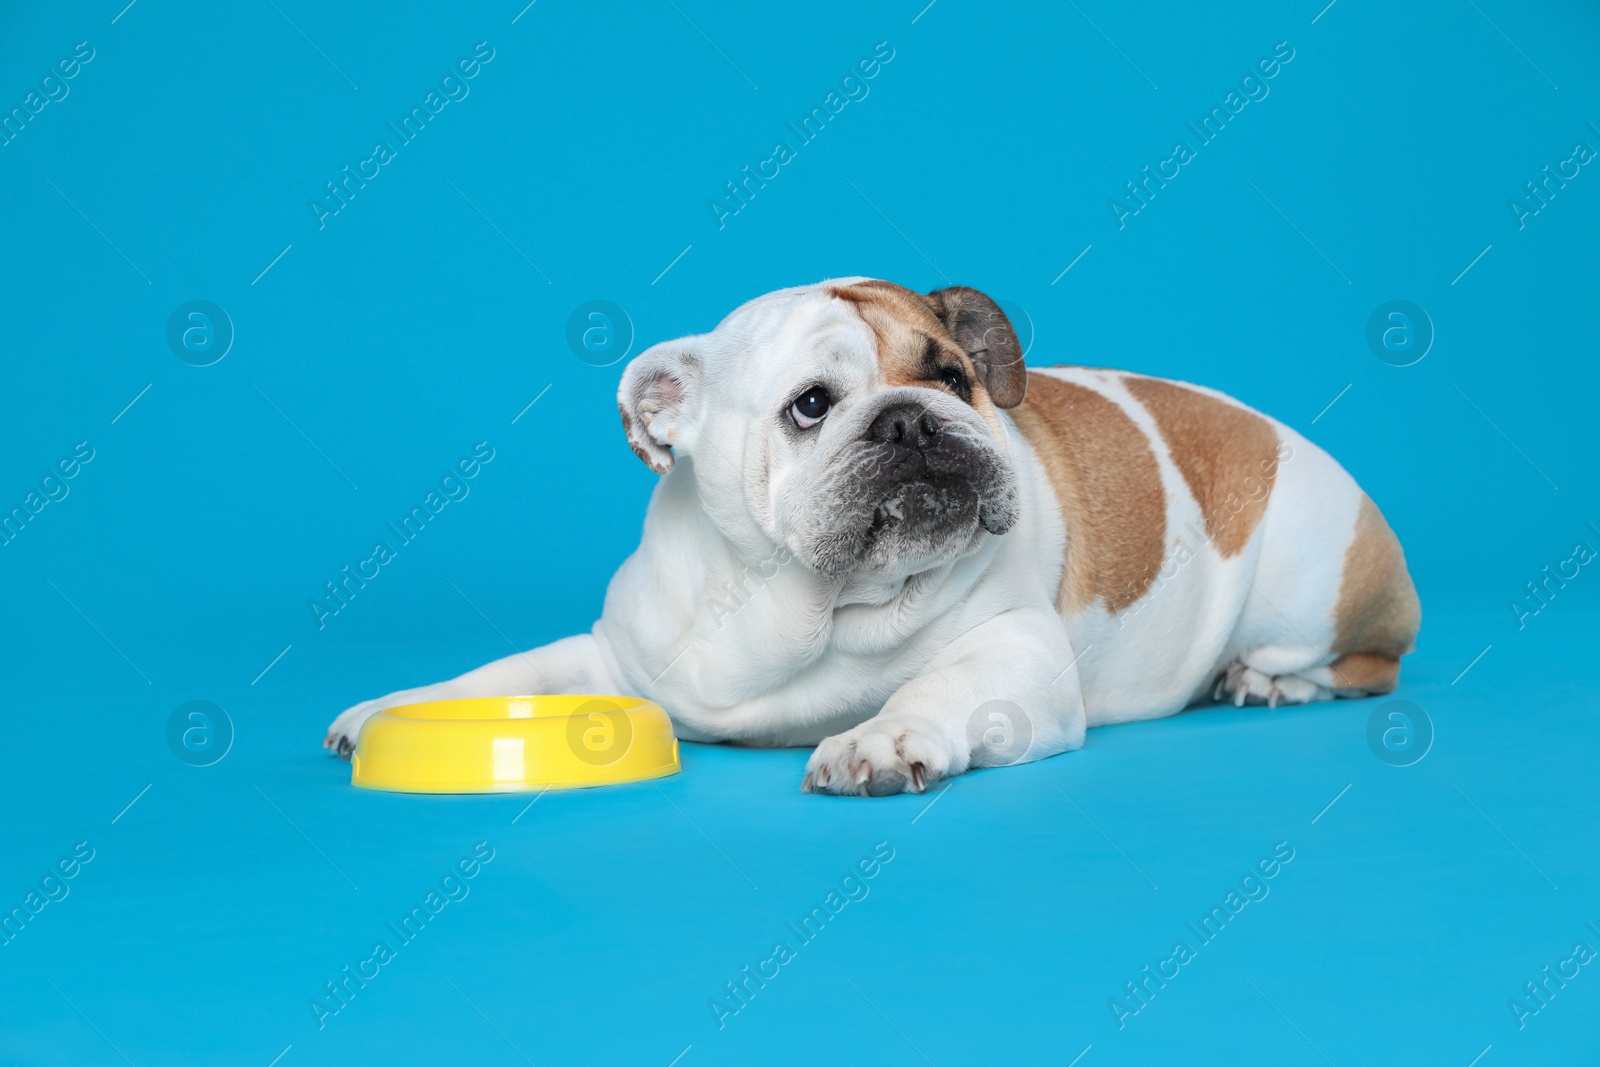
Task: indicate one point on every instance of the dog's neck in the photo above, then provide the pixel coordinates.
(756, 611)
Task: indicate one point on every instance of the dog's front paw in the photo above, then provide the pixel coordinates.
(878, 758)
(344, 730)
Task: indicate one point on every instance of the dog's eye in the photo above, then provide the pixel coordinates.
(811, 407)
(955, 380)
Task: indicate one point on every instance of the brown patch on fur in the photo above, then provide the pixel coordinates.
(903, 321)
(1378, 611)
(1365, 672)
(1108, 486)
(1228, 456)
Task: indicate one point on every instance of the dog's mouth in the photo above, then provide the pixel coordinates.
(930, 504)
(915, 507)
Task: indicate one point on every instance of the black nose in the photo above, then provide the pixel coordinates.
(907, 425)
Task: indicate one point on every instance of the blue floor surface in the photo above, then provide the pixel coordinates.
(1001, 920)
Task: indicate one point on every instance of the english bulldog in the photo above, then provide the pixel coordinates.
(880, 534)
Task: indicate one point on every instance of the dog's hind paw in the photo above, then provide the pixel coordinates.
(1245, 685)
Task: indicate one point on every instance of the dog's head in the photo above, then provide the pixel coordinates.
(852, 422)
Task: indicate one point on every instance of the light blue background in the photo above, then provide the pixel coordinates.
(412, 327)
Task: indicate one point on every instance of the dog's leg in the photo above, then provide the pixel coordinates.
(1007, 693)
(1355, 674)
(571, 665)
(1294, 674)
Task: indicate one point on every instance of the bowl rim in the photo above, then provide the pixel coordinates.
(521, 706)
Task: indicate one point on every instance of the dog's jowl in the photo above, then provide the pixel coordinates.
(874, 522)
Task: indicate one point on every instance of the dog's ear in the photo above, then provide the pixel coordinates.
(977, 324)
(658, 390)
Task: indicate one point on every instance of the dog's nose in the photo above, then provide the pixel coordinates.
(907, 425)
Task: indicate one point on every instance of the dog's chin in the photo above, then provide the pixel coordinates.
(918, 525)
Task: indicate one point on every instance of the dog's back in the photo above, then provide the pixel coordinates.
(1210, 549)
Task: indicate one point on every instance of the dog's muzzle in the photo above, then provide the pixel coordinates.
(914, 487)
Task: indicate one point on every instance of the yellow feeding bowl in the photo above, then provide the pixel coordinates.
(513, 744)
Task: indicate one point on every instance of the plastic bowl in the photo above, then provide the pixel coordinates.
(514, 744)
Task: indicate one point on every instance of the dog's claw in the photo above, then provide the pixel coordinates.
(919, 777)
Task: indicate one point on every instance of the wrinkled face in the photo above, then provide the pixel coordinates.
(886, 452)
(854, 422)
